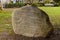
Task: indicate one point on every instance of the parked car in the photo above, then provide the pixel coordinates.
(49, 5)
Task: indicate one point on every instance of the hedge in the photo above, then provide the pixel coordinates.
(17, 4)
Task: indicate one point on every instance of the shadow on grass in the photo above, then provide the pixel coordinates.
(54, 36)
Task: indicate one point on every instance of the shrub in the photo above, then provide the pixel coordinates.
(17, 4)
(56, 4)
(37, 4)
(10, 5)
(46, 2)
(59, 3)
(21, 4)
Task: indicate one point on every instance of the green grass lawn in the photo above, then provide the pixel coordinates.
(54, 14)
(5, 21)
(6, 24)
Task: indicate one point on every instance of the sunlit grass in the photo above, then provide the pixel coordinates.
(5, 21)
(54, 14)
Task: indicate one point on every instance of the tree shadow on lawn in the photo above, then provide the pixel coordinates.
(54, 36)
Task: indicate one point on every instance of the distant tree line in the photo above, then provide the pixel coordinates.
(57, 1)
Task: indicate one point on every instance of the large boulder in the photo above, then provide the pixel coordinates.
(31, 22)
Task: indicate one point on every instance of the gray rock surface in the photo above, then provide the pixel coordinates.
(31, 22)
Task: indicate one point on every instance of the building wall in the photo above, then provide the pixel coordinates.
(5, 1)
